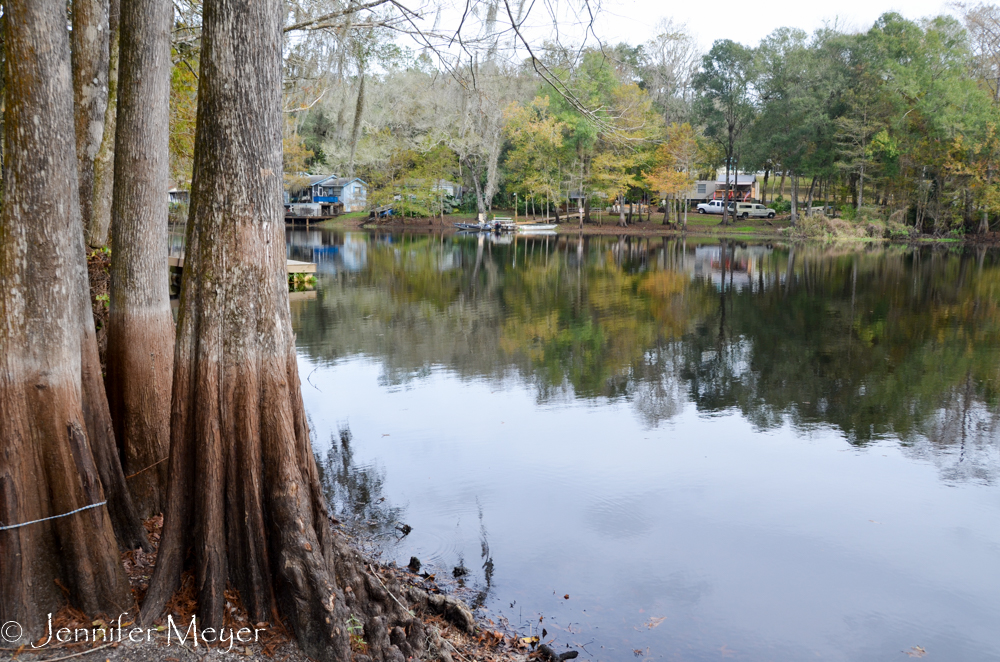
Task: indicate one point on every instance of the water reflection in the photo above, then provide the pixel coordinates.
(354, 493)
(764, 452)
(897, 342)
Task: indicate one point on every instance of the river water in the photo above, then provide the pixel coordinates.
(667, 450)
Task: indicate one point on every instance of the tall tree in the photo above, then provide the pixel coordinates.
(727, 101)
(243, 494)
(97, 229)
(669, 61)
(536, 141)
(90, 45)
(48, 467)
(140, 322)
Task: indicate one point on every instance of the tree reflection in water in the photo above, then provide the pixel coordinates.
(878, 342)
(354, 494)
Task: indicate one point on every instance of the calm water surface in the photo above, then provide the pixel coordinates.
(717, 451)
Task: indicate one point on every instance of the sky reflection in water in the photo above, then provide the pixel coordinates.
(801, 464)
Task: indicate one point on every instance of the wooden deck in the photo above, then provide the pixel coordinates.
(306, 220)
(291, 266)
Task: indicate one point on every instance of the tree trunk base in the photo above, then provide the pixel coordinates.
(140, 365)
(48, 470)
(244, 496)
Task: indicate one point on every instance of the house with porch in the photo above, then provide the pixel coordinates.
(321, 193)
(744, 187)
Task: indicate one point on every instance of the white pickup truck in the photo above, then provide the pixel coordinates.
(748, 209)
(712, 207)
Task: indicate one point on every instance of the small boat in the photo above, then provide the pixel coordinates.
(496, 225)
(535, 227)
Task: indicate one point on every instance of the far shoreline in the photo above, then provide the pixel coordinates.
(699, 227)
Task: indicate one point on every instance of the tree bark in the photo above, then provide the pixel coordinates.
(47, 463)
(140, 322)
(725, 200)
(243, 493)
(99, 226)
(477, 182)
(359, 109)
(809, 198)
(89, 47)
(795, 198)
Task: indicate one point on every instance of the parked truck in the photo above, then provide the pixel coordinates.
(752, 209)
(712, 207)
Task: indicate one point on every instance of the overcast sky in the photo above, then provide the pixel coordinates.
(748, 22)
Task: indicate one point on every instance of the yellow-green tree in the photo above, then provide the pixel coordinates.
(536, 139)
(673, 164)
(624, 148)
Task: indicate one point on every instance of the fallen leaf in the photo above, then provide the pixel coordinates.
(653, 622)
(916, 651)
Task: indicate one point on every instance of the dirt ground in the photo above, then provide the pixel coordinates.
(119, 639)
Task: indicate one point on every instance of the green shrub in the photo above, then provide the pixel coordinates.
(781, 206)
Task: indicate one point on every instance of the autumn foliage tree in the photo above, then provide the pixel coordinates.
(625, 147)
(673, 164)
(536, 140)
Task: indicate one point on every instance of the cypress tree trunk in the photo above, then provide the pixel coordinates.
(47, 460)
(89, 48)
(140, 323)
(96, 231)
(243, 492)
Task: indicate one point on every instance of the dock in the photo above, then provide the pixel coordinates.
(291, 266)
(306, 220)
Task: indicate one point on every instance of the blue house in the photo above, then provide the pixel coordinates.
(350, 191)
